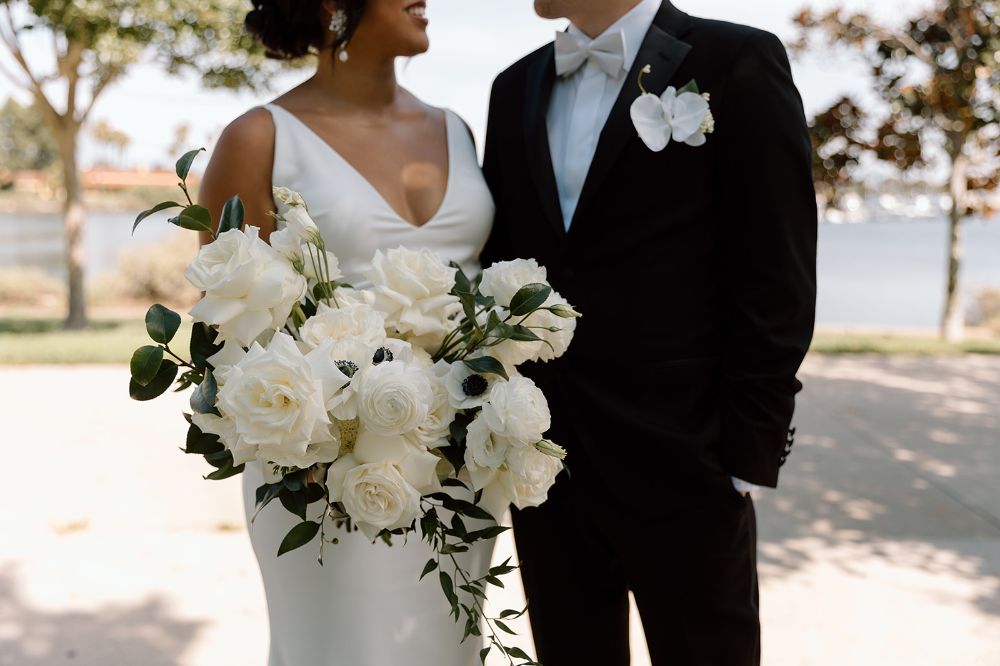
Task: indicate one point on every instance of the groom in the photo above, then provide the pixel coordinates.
(694, 268)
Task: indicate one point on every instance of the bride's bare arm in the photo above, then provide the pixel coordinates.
(241, 164)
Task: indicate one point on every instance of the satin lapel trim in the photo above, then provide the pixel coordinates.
(541, 78)
(664, 53)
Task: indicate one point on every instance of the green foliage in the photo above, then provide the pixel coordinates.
(25, 141)
(938, 78)
(162, 324)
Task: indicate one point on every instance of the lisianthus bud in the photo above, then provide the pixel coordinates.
(565, 311)
(550, 448)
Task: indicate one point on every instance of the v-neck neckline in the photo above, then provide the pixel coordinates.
(371, 186)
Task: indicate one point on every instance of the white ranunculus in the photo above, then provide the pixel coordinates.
(518, 410)
(376, 495)
(359, 323)
(412, 288)
(417, 465)
(248, 287)
(468, 389)
(505, 278)
(276, 401)
(529, 476)
(485, 453)
(433, 432)
(393, 398)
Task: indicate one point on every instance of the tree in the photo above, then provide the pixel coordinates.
(93, 43)
(25, 141)
(116, 140)
(938, 77)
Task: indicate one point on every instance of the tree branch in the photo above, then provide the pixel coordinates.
(10, 40)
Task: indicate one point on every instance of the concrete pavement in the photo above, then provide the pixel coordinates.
(882, 547)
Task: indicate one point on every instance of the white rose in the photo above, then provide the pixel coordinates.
(376, 495)
(434, 431)
(412, 288)
(468, 389)
(518, 410)
(351, 296)
(360, 323)
(417, 465)
(248, 287)
(275, 400)
(505, 278)
(393, 398)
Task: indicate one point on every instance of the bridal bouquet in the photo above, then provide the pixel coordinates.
(368, 403)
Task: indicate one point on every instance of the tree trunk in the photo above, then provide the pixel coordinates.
(74, 219)
(953, 319)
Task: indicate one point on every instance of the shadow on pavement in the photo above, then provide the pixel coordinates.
(144, 633)
(896, 464)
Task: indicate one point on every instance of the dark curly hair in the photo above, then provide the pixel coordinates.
(290, 29)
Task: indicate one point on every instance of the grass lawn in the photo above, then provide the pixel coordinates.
(860, 343)
(25, 341)
(38, 339)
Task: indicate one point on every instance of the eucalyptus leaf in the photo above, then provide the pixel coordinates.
(204, 397)
(429, 567)
(294, 503)
(183, 166)
(145, 364)
(529, 298)
(194, 218)
(165, 376)
(264, 496)
(162, 324)
(202, 443)
(486, 365)
(462, 283)
(203, 344)
(226, 469)
(485, 652)
(232, 215)
(298, 536)
(155, 209)
(690, 87)
(448, 587)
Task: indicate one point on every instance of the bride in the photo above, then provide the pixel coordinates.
(379, 169)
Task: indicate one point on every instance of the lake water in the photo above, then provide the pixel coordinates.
(882, 274)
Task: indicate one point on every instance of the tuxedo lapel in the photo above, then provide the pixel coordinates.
(664, 53)
(541, 78)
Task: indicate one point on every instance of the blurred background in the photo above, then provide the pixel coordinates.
(881, 547)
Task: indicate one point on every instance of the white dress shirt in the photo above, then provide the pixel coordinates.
(579, 109)
(582, 102)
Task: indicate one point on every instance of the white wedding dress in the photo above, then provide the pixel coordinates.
(365, 606)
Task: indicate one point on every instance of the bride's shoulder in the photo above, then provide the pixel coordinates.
(252, 130)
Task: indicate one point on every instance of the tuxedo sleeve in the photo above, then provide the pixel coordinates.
(769, 257)
(498, 247)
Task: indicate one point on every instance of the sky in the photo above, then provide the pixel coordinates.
(471, 41)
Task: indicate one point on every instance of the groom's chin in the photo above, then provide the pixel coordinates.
(547, 9)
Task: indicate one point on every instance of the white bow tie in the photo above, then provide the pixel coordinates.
(607, 52)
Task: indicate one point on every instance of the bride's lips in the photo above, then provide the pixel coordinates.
(418, 10)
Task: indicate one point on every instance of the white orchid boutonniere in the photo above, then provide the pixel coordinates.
(680, 115)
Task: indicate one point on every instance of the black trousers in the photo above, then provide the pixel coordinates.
(691, 565)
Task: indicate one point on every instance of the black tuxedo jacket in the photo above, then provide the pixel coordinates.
(694, 268)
